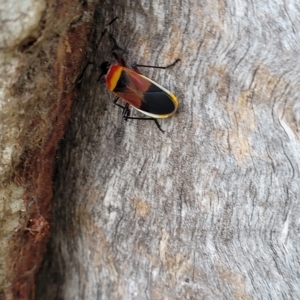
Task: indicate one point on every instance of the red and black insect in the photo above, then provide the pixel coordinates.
(138, 91)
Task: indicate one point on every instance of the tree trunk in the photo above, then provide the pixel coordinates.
(42, 45)
(208, 210)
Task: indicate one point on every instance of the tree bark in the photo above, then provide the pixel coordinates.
(42, 44)
(208, 210)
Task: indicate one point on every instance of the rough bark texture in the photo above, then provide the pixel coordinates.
(42, 44)
(210, 209)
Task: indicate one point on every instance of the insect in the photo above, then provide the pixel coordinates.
(138, 91)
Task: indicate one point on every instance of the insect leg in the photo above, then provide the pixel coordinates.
(125, 109)
(112, 21)
(116, 46)
(126, 114)
(97, 45)
(105, 30)
(83, 71)
(146, 119)
(134, 66)
(117, 104)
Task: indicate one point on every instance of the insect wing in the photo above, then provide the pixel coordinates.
(131, 87)
(145, 95)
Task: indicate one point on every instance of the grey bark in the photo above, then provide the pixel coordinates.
(210, 209)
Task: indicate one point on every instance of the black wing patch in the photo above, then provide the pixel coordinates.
(157, 101)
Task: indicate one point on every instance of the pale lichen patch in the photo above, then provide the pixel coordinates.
(11, 207)
(237, 281)
(143, 209)
(243, 119)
